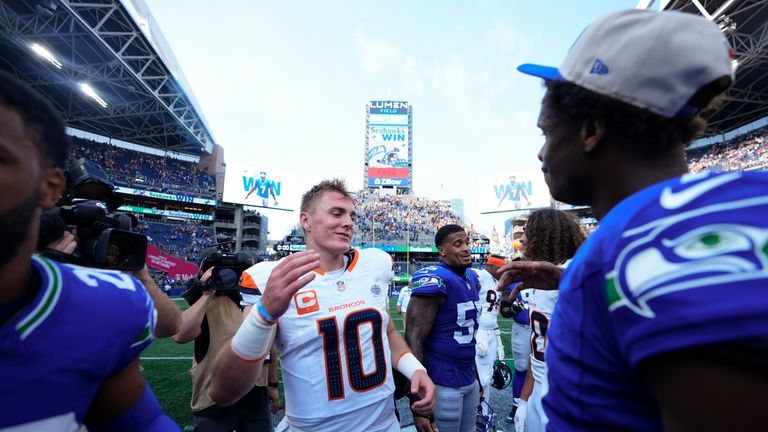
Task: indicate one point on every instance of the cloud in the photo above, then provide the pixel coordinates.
(414, 73)
(375, 55)
(504, 36)
(451, 79)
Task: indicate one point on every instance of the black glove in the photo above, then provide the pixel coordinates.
(508, 308)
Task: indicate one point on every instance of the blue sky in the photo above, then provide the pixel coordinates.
(285, 83)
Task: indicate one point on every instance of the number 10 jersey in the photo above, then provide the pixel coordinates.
(334, 350)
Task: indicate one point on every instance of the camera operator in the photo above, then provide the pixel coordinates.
(66, 245)
(70, 336)
(211, 320)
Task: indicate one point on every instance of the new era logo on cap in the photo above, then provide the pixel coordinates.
(652, 60)
(599, 68)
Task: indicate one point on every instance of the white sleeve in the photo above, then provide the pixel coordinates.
(253, 282)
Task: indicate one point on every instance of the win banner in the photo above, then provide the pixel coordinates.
(258, 186)
(513, 191)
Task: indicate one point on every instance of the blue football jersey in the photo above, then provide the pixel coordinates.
(263, 187)
(83, 326)
(680, 264)
(449, 349)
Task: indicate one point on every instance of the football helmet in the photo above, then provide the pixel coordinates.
(502, 375)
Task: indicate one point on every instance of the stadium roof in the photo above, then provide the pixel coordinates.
(92, 59)
(745, 23)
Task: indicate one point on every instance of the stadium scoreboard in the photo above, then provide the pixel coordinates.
(389, 146)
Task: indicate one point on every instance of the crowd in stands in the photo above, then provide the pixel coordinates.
(140, 170)
(170, 286)
(744, 152)
(402, 268)
(389, 219)
(186, 240)
(395, 218)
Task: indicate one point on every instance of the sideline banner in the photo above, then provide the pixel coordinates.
(175, 267)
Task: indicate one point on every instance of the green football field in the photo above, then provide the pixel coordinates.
(166, 367)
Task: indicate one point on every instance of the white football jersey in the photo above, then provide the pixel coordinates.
(334, 350)
(541, 304)
(489, 300)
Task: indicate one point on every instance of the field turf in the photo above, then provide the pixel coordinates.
(166, 367)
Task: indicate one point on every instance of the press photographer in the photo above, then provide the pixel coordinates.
(87, 211)
(211, 320)
(84, 229)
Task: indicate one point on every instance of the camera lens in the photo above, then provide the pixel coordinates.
(226, 279)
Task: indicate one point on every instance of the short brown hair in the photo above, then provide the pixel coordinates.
(552, 235)
(331, 185)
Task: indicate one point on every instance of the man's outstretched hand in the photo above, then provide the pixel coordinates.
(292, 274)
(533, 274)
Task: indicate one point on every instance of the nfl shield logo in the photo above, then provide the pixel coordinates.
(341, 286)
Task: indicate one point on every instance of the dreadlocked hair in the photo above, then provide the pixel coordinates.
(552, 235)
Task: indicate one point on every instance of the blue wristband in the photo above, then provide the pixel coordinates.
(264, 314)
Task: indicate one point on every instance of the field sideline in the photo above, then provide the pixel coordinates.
(166, 368)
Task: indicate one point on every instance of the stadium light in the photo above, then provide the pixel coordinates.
(91, 93)
(726, 24)
(44, 53)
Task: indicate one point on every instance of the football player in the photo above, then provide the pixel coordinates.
(442, 322)
(70, 336)
(403, 297)
(552, 236)
(326, 309)
(516, 306)
(669, 292)
(263, 188)
(489, 346)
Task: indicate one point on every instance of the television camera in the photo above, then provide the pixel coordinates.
(227, 268)
(87, 208)
(225, 276)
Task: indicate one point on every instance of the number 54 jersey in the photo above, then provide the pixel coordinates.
(333, 345)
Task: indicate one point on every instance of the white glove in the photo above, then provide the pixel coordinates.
(499, 344)
(482, 349)
(522, 408)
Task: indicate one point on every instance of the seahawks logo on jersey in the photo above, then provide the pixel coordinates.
(428, 281)
(668, 259)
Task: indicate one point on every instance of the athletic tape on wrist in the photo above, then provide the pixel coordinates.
(408, 364)
(254, 337)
